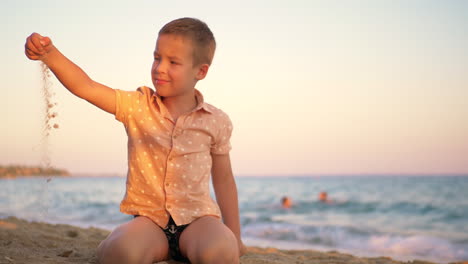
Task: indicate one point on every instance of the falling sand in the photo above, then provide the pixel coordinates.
(49, 125)
(48, 116)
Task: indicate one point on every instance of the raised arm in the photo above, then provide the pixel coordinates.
(69, 74)
(226, 195)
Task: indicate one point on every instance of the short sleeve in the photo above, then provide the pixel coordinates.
(126, 101)
(222, 144)
(119, 115)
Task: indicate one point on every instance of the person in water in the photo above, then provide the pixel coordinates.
(286, 202)
(323, 197)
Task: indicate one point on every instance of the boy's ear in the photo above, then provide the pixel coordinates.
(202, 71)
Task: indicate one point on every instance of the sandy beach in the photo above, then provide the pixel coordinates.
(32, 242)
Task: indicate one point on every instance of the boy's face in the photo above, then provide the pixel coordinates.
(173, 72)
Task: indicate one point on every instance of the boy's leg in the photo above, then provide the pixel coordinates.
(208, 240)
(139, 241)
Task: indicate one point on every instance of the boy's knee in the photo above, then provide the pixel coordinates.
(218, 253)
(115, 252)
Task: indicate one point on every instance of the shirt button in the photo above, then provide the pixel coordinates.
(167, 184)
(168, 207)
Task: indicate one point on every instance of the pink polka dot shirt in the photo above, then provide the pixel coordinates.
(169, 163)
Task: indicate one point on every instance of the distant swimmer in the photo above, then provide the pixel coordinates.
(286, 202)
(323, 197)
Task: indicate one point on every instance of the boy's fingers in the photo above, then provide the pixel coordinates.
(30, 45)
(36, 46)
(31, 50)
(31, 55)
(35, 39)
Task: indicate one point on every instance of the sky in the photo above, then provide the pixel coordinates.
(312, 87)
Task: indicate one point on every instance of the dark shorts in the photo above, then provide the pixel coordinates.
(173, 233)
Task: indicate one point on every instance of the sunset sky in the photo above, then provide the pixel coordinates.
(312, 87)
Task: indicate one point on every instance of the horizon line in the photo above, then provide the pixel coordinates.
(306, 175)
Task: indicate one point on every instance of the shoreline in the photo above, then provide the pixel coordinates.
(22, 241)
(14, 171)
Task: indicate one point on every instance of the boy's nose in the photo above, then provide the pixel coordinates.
(160, 67)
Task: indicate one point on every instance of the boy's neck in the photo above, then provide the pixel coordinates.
(181, 104)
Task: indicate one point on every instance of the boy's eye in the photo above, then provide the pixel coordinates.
(156, 58)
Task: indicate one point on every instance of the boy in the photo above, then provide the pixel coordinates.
(175, 141)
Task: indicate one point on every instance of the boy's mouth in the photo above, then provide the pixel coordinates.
(160, 82)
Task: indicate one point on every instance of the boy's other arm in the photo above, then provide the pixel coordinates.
(69, 74)
(226, 195)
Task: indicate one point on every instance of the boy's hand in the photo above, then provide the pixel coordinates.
(242, 249)
(37, 46)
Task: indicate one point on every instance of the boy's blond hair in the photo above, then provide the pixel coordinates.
(198, 32)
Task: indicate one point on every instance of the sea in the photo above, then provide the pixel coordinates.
(402, 217)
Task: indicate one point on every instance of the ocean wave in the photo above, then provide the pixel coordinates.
(354, 239)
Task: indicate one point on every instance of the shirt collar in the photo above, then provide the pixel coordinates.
(198, 95)
(201, 102)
